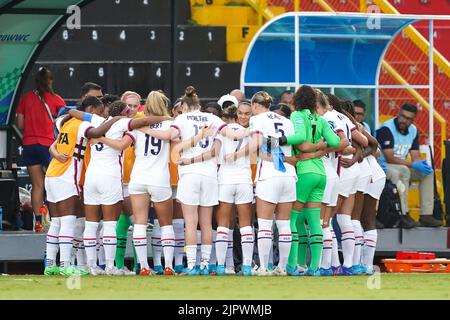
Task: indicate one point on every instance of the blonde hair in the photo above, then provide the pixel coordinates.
(128, 94)
(157, 104)
(262, 98)
(322, 98)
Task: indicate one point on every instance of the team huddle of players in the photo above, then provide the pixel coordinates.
(199, 169)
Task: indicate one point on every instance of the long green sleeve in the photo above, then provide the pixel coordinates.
(299, 128)
(332, 138)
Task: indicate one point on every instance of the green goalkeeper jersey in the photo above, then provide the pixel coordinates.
(310, 127)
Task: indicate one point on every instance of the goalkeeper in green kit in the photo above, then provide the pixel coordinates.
(308, 144)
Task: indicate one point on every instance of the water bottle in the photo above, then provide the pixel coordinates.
(1, 218)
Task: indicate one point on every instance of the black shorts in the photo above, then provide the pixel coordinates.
(34, 154)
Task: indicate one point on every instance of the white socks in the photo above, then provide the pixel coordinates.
(100, 247)
(230, 257)
(284, 241)
(191, 255)
(327, 248)
(221, 244)
(370, 244)
(347, 238)
(110, 242)
(52, 246)
(264, 241)
(213, 259)
(335, 262)
(206, 254)
(168, 244)
(81, 253)
(198, 252)
(247, 243)
(359, 241)
(140, 244)
(90, 242)
(66, 232)
(156, 243)
(178, 228)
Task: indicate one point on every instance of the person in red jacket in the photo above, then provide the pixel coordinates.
(36, 113)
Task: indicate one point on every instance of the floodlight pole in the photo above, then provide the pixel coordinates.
(431, 85)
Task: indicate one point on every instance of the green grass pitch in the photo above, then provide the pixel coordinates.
(384, 286)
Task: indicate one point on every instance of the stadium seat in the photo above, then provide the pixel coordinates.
(198, 43)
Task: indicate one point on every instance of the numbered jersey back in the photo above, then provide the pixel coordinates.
(151, 166)
(270, 124)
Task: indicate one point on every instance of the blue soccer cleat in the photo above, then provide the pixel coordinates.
(246, 270)
(158, 270)
(220, 270)
(203, 271)
(358, 269)
(347, 271)
(326, 272)
(270, 267)
(314, 272)
(293, 271)
(191, 272)
(212, 268)
(337, 271)
(179, 268)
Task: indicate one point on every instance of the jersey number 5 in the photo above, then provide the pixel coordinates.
(278, 126)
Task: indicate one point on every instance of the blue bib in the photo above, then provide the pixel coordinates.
(402, 142)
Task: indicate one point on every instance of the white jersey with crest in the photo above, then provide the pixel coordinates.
(271, 124)
(188, 125)
(238, 172)
(151, 166)
(106, 160)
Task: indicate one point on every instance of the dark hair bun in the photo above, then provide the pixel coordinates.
(190, 91)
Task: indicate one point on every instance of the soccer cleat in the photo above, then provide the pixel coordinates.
(326, 272)
(302, 269)
(212, 268)
(292, 271)
(246, 271)
(158, 270)
(168, 271)
(369, 270)
(96, 271)
(347, 271)
(220, 270)
(146, 272)
(113, 271)
(38, 227)
(69, 271)
(337, 271)
(191, 272)
(51, 271)
(203, 271)
(314, 272)
(263, 272)
(270, 267)
(128, 272)
(279, 271)
(179, 268)
(102, 266)
(357, 269)
(229, 271)
(83, 270)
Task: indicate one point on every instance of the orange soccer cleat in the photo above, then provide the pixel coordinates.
(168, 271)
(38, 227)
(146, 272)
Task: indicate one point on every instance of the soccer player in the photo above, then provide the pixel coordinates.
(197, 187)
(348, 182)
(309, 127)
(275, 182)
(63, 190)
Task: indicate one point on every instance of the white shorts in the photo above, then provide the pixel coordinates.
(375, 189)
(348, 180)
(365, 176)
(198, 190)
(157, 194)
(276, 189)
(102, 190)
(331, 192)
(236, 193)
(126, 191)
(58, 189)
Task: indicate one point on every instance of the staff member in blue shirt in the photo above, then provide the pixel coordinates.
(398, 137)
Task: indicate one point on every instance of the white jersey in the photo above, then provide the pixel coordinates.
(188, 125)
(151, 166)
(273, 125)
(349, 127)
(239, 171)
(106, 160)
(331, 159)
